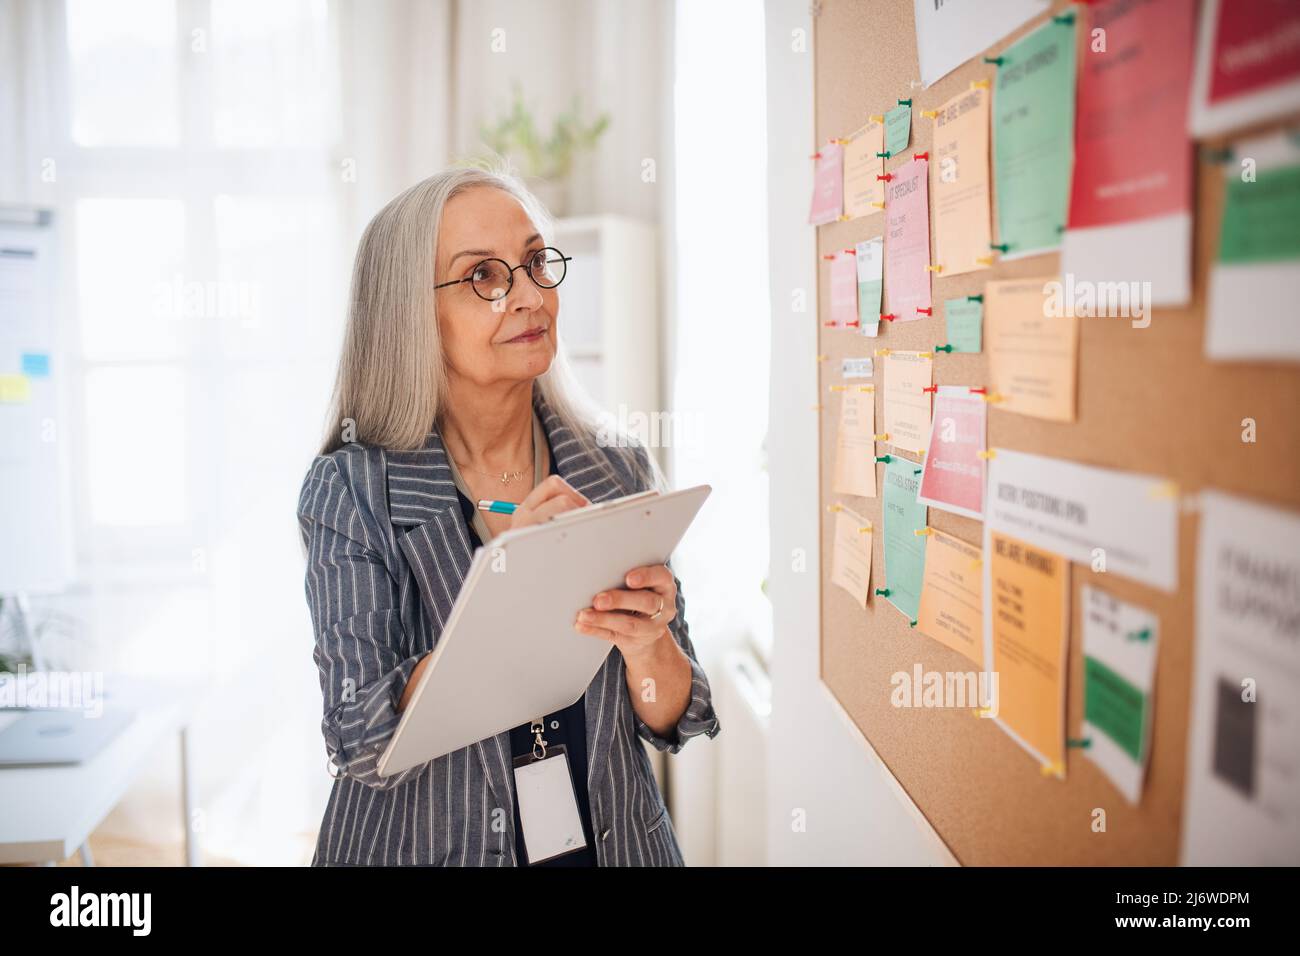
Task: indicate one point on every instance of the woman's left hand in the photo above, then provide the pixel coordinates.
(622, 615)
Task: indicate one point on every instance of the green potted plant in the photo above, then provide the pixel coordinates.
(545, 161)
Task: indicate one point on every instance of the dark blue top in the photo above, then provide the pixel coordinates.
(567, 727)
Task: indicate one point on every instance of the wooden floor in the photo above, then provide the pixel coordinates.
(109, 850)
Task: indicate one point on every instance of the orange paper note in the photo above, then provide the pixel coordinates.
(851, 560)
(1026, 611)
(907, 405)
(861, 167)
(1033, 346)
(855, 449)
(951, 596)
(959, 183)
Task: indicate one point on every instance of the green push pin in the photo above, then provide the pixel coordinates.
(995, 60)
(1002, 247)
(1078, 744)
(975, 298)
(883, 592)
(1142, 635)
(884, 155)
(904, 102)
(885, 458)
(943, 348)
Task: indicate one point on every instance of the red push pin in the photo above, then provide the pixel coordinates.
(829, 255)
(925, 311)
(852, 252)
(925, 156)
(888, 177)
(889, 317)
(979, 391)
(830, 325)
(855, 323)
(931, 388)
(816, 155)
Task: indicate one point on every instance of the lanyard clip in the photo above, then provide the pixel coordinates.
(539, 742)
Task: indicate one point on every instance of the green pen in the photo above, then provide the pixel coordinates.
(497, 507)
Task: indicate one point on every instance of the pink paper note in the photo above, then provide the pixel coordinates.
(844, 289)
(954, 471)
(828, 186)
(907, 241)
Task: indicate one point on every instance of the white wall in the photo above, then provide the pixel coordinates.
(820, 767)
(611, 54)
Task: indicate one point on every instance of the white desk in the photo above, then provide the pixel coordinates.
(48, 813)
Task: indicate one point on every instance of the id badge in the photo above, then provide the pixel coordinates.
(548, 805)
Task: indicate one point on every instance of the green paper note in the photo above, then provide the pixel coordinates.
(904, 550)
(1033, 139)
(964, 319)
(1261, 220)
(898, 129)
(1115, 707)
(871, 260)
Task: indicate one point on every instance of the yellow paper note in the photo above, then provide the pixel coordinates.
(1033, 350)
(959, 182)
(15, 389)
(952, 607)
(855, 449)
(851, 561)
(907, 406)
(861, 167)
(1028, 622)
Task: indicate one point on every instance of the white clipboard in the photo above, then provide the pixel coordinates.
(509, 652)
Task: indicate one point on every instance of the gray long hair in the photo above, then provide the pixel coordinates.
(392, 377)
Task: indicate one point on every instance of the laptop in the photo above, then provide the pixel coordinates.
(44, 738)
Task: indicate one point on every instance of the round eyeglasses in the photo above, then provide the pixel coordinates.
(492, 279)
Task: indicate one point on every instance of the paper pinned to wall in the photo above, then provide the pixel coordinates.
(964, 320)
(1026, 627)
(904, 549)
(950, 33)
(844, 289)
(898, 129)
(954, 471)
(871, 263)
(1255, 280)
(1243, 790)
(1033, 348)
(851, 559)
(907, 241)
(959, 179)
(952, 602)
(1033, 140)
(861, 167)
(1131, 197)
(1118, 522)
(855, 445)
(907, 405)
(828, 185)
(1247, 65)
(1119, 675)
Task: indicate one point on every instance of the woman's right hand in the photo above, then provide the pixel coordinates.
(552, 497)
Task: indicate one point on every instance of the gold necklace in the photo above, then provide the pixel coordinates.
(504, 477)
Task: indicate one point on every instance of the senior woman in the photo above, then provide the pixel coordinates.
(453, 387)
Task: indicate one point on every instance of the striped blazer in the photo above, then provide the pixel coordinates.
(387, 551)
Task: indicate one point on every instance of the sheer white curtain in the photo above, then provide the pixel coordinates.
(210, 164)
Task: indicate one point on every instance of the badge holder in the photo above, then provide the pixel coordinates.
(548, 802)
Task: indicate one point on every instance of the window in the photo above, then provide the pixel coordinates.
(722, 342)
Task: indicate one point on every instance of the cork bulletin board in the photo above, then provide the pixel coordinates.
(1148, 401)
